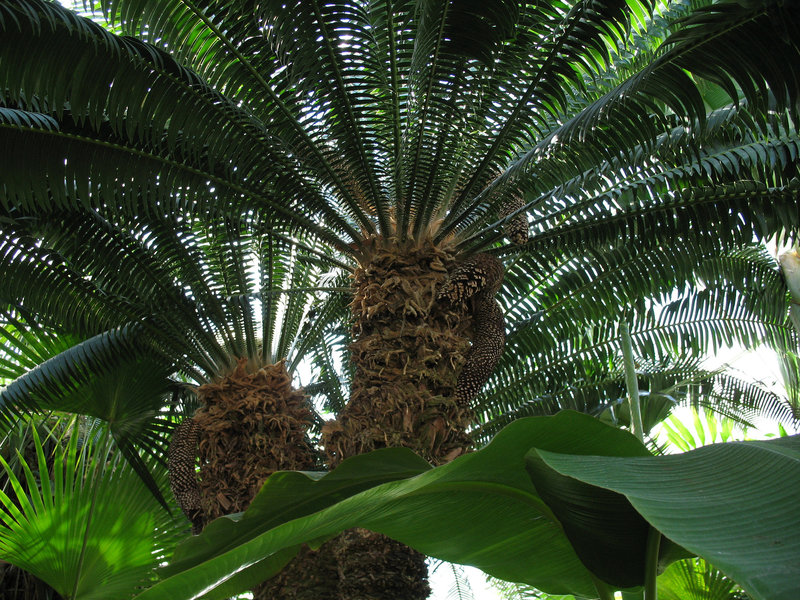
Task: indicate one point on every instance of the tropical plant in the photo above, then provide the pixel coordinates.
(565, 503)
(168, 318)
(687, 579)
(18, 450)
(82, 520)
(695, 579)
(621, 147)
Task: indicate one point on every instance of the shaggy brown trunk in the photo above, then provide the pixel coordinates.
(311, 575)
(251, 424)
(411, 341)
(407, 351)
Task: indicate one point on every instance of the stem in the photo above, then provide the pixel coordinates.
(604, 592)
(631, 382)
(651, 564)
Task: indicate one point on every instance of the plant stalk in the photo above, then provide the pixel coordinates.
(631, 382)
(604, 592)
(651, 564)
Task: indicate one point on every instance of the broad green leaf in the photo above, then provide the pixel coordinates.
(289, 495)
(607, 533)
(733, 504)
(481, 509)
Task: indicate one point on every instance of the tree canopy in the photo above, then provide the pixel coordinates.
(190, 187)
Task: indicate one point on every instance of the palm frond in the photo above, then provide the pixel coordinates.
(226, 44)
(112, 377)
(568, 348)
(24, 343)
(42, 281)
(569, 45)
(695, 579)
(633, 105)
(91, 500)
(195, 139)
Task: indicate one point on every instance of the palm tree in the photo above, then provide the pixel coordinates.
(400, 142)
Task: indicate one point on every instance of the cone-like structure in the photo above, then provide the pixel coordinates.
(478, 275)
(487, 347)
(182, 461)
(516, 229)
(474, 283)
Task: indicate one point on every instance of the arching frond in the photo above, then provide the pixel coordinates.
(564, 337)
(198, 146)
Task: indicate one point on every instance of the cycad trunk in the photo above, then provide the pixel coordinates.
(250, 425)
(407, 350)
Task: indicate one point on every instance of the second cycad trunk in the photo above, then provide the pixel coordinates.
(408, 350)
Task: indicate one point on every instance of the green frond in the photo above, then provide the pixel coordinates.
(744, 402)
(42, 282)
(226, 43)
(696, 579)
(563, 350)
(630, 113)
(189, 136)
(568, 45)
(325, 314)
(113, 377)
(328, 385)
(68, 531)
(336, 42)
(329, 362)
(25, 344)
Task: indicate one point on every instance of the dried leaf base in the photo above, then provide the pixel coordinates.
(407, 352)
(311, 575)
(251, 425)
(375, 567)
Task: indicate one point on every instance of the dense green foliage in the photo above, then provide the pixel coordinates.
(183, 184)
